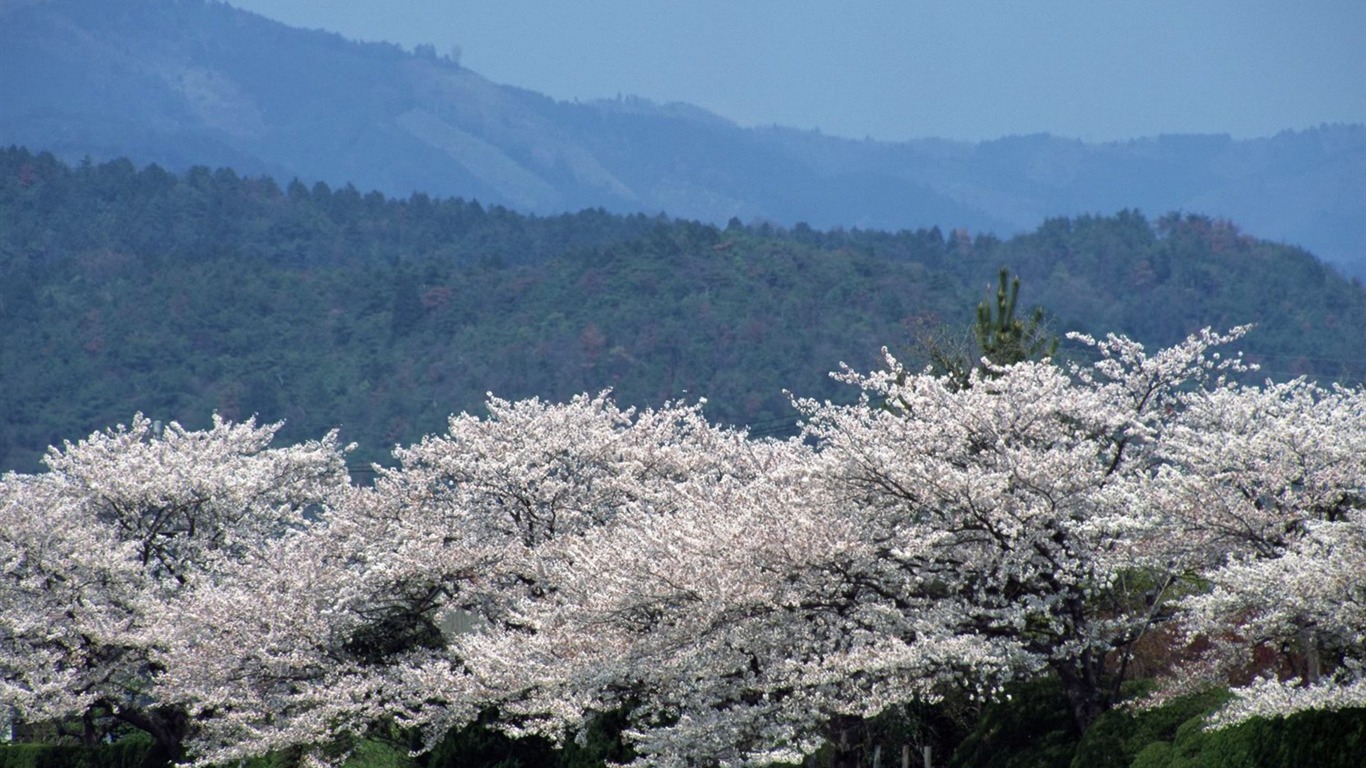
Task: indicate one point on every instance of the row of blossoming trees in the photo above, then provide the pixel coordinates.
(735, 597)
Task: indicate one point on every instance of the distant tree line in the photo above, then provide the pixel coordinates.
(128, 289)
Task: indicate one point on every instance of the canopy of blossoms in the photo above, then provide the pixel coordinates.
(737, 598)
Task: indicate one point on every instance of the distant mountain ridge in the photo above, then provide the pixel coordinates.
(193, 82)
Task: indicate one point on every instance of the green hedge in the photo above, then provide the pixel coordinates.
(1120, 735)
(1318, 739)
(1173, 736)
(1032, 730)
(130, 753)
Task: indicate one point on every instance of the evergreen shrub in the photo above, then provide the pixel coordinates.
(129, 753)
(1318, 739)
(1033, 728)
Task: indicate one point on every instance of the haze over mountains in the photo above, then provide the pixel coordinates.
(202, 83)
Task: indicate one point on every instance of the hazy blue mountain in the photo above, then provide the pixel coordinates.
(185, 82)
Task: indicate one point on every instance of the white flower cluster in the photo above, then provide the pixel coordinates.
(734, 596)
(99, 552)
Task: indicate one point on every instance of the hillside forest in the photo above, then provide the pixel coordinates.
(126, 289)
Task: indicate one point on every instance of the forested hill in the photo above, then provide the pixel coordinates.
(180, 82)
(126, 289)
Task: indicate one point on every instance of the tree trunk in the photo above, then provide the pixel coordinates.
(89, 737)
(1313, 663)
(168, 727)
(1083, 684)
(844, 738)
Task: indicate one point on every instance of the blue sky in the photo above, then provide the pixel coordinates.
(964, 69)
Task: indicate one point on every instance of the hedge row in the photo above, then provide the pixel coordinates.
(1032, 730)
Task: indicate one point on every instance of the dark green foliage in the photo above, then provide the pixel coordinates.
(599, 744)
(1004, 338)
(481, 746)
(1032, 729)
(374, 754)
(1118, 736)
(1318, 739)
(39, 756)
(1001, 337)
(914, 725)
(125, 290)
(367, 754)
(407, 310)
(1156, 755)
(126, 753)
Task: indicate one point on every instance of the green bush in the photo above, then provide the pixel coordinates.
(1318, 739)
(481, 746)
(131, 753)
(1118, 736)
(478, 746)
(1033, 729)
(374, 754)
(1156, 755)
(368, 754)
(22, 755)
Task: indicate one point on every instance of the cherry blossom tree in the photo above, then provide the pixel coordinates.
(941, 535)
(1265, 488)
(1310, 601)
(1010, 501)
(735, 629)
(741, 599)
(122, 524)
(450, 541)
(1243, 468)
(738, 600)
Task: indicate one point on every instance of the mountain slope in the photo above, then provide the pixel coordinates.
(124, 290)
(193, 82)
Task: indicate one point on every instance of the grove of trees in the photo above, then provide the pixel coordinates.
(734, 599)
(126, 289)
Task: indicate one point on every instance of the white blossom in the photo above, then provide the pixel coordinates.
(732, 596)
(121, 527)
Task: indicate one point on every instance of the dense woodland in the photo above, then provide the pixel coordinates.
(127, 289)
